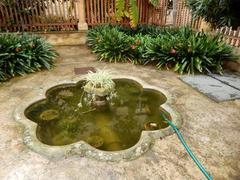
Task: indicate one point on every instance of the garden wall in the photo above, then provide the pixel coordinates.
(65, 38)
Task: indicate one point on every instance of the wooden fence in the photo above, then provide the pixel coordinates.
(38, 15)
(231, 37)
(62, 15)
(103, 12)
(184, 16)
(68, 15)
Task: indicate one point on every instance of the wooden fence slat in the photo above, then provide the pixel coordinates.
(30, 5)
(22, 16)
(12, 20)
(41, 10)
(36, 5)
(15, 15)
(75, 11)
(2, 20)
(108, 11)
(91, 13)
(27, 10)
(60, 11)
(71, 13)
(98, 11)
(95, 11)
(7, 17)
(101, 11)
(88, 17)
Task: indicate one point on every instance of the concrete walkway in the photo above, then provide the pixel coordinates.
(212, 130)
(217, 87)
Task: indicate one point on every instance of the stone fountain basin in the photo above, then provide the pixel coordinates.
(82, 148)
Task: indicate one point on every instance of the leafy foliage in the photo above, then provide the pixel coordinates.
(154, 2)
(131, 12)
(23, 54)
(139, 45)
(100, 79)
(217, 12)
(182, 49)
(98, 84)
(120, 5)
(110, 44)
(189, 51)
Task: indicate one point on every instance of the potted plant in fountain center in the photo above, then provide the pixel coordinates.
(100, 87)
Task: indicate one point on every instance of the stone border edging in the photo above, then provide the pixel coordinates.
(81, 148)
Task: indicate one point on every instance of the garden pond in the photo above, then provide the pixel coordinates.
(65, 117)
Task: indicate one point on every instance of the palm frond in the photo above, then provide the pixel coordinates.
(134, 15)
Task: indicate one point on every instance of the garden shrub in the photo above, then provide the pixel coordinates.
(217, 12)
(24, 54)
(189, 51)
(182, 49)
(139, 45)
(110, 44)
(143, 29)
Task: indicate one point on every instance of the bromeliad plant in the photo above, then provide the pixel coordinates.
(182, 49)
(24, 54)
(110, 44)
(189, 51)
(139, 45)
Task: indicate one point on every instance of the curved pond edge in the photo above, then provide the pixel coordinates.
(83, 149)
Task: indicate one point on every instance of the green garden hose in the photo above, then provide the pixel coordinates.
(187, 148)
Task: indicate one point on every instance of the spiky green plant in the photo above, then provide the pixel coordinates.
(99, 87)
(190, 52)
(182, 48)
(100, 79)
(139, 48)
(110, 44)
(23, 54)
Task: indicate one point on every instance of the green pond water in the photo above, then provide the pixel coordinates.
(62, 121)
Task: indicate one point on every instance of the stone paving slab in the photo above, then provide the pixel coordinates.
(229, 79)
(214, 88)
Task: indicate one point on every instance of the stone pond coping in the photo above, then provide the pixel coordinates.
(83, 149)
